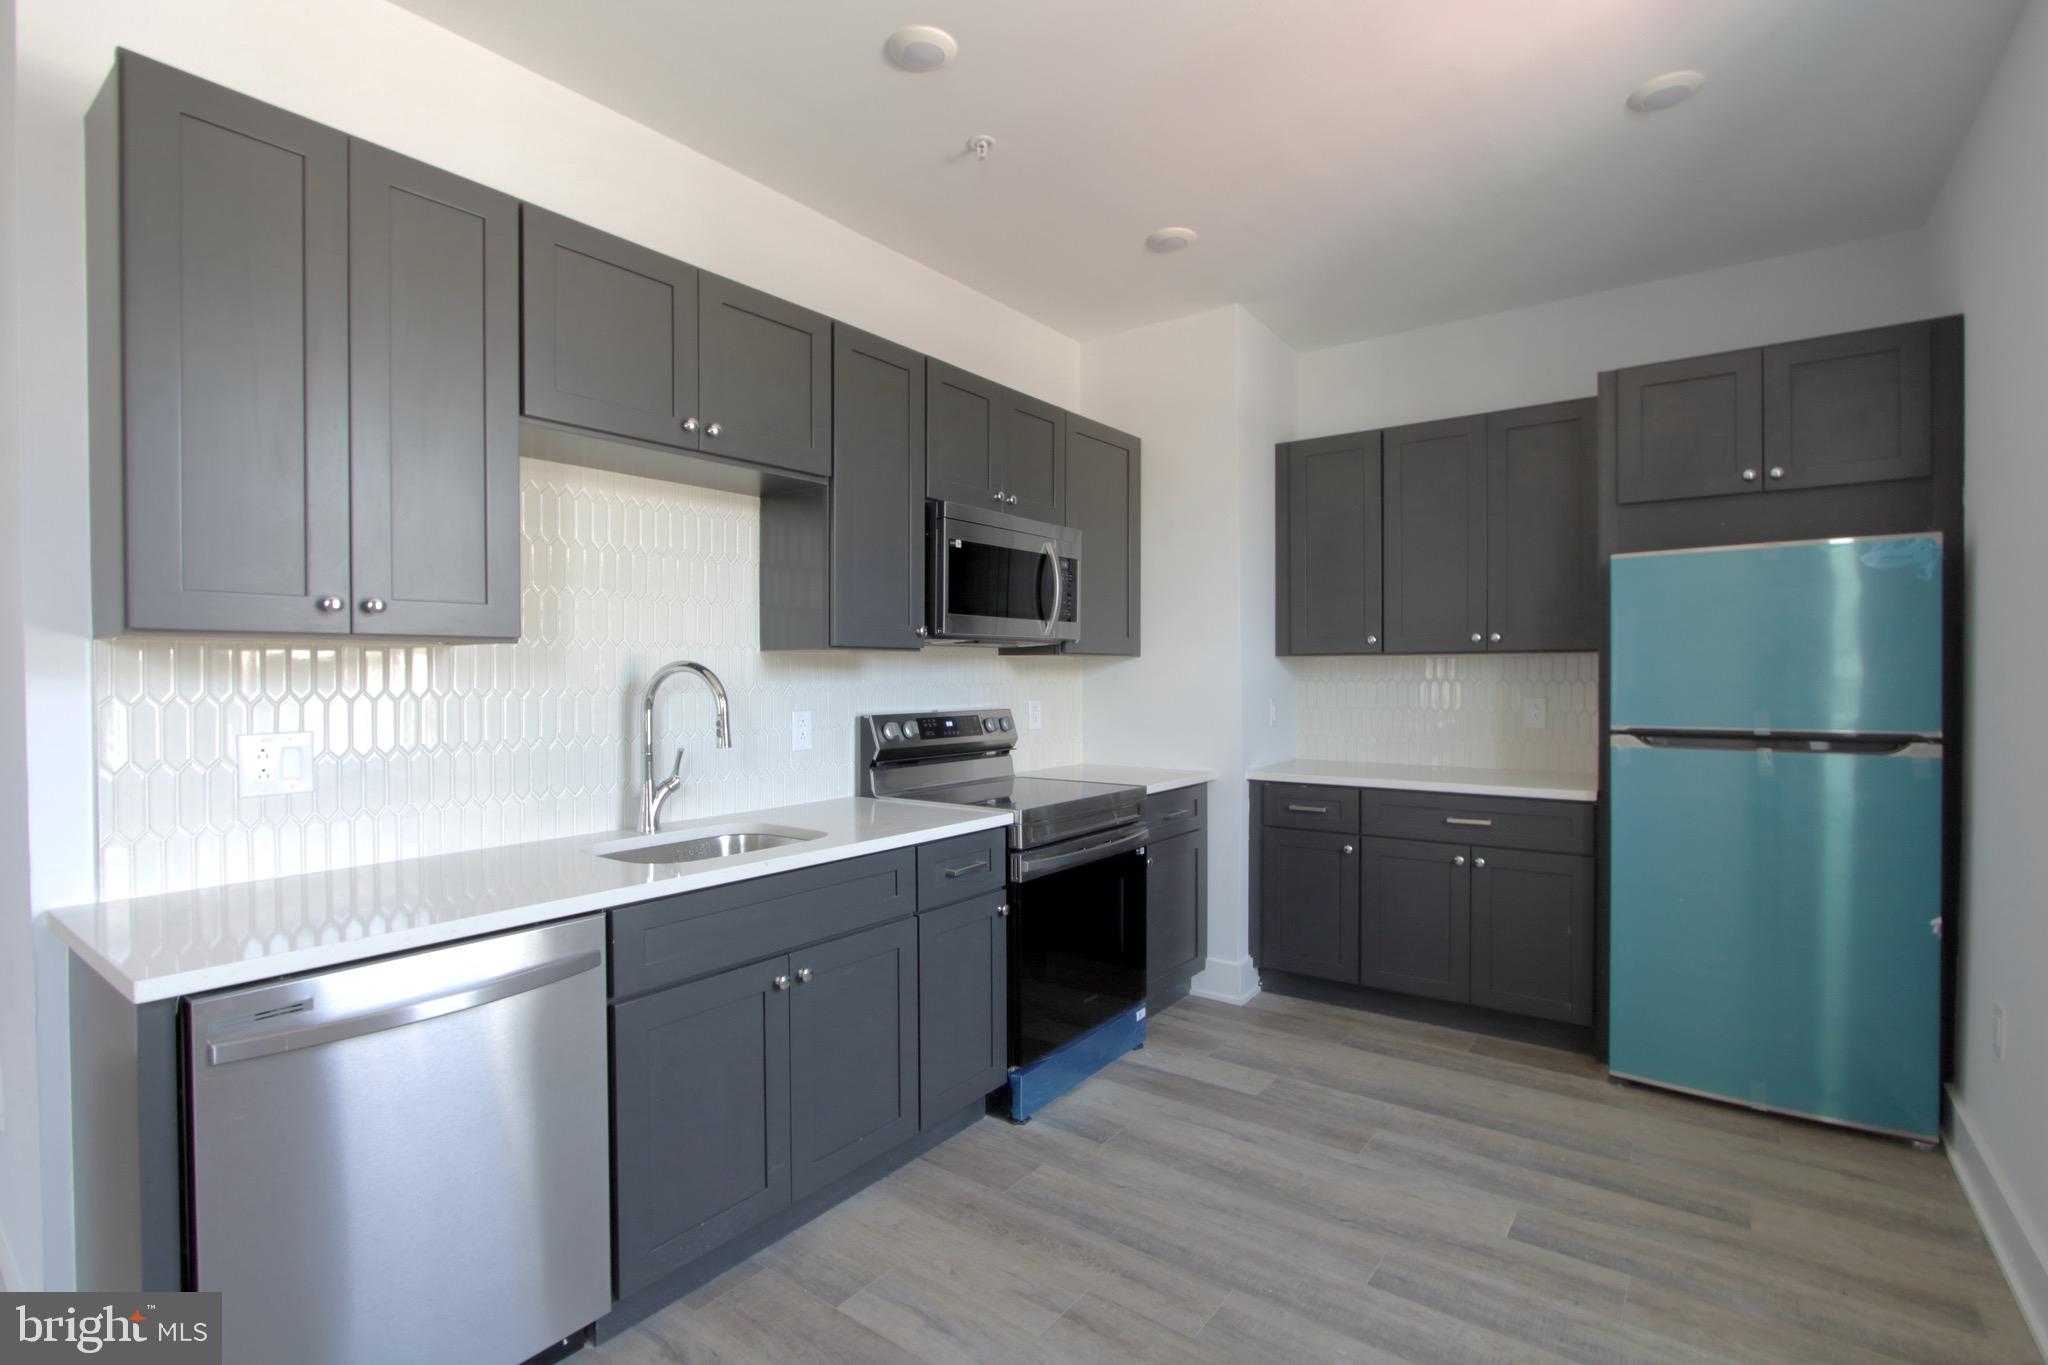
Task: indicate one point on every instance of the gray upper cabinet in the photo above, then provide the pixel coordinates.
(765, 378)
(610, 338)
(219, 245)
(963, 988)
(1542, 554)
(1690, 428)
(1102, 503)
(433, 401)
(1435, 536)
(1308, 903)
(700, 1117)
(1415, 921)
(990, 446)
(1532, 933)
(1329, 569)
(852, 1052)
(305, 376)
(1855, 408)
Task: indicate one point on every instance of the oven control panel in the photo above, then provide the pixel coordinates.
(995, 728)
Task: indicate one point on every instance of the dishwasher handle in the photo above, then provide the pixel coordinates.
(305, 1029)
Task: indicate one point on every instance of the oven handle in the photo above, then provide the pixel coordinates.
(1043, 862)
(1059, 588)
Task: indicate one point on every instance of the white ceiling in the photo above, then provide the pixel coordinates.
(1354, 167)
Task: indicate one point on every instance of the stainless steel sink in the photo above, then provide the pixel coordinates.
(702, 845)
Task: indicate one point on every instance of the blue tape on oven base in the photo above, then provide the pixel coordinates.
(1035, 1086)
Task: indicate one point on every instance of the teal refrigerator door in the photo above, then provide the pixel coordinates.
(1809, 637)
(1774, 937)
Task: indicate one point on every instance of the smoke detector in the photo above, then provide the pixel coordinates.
(920, 48)
(1662, 92)
(1168, 240)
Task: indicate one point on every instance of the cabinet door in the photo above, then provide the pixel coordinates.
(1532, 933)
(852, 1052)
(610, 338)
(1416, 919)
(765, 377)
(234, 409)
(877, 535)
(1308, 903)
(433, 401)
(963, 457)
(700, 1117)
(1176, 898)
(963, 989)
(1690, 428)
(1331, 548)
(1854, 408)
(1436, 537)
(1102, 503)
(1033, 441)
(1542, 562)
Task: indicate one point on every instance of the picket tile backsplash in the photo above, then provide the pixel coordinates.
(1457, 710)
(434, 748)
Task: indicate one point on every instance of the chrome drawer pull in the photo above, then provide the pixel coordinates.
(965, 868)
(1300, 809)
(1467, 820)
(1178, 814)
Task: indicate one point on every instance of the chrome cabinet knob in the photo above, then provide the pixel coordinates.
(714, 430)
(689, 424)
(330, 604)
(781, 983)
(803, 974)
(373, 605)
(1012, 500)
(1476, 637)
(1479, 862)
(1777, 471)
(922, 632)
(999, 495)
(1349, 850)
(1749, 476)
(1494, 638)
(1372, 639)
(1458, 861)
(1148, 862)
(1003, 911)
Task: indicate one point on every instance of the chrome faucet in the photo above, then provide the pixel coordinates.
(653, 793)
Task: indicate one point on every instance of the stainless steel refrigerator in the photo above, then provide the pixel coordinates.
(1775, 846)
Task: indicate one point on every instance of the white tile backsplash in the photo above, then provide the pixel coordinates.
(434, 748)
(1460, 710)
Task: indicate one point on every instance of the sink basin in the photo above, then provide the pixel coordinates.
(702, 845)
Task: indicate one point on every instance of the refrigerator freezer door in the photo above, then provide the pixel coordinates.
(1836, 637)
(1773, 931)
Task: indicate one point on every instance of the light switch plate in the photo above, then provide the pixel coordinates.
(274, 765)
(1534, 711)
(1034, 717)
(799, 731)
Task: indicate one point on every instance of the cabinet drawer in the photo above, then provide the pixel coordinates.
(1498, 821)
(955, 869)
(1179, 811)
(683, 937)
(1289, 806)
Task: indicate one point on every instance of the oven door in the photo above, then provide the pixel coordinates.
(1077, 949)
(1001, 578)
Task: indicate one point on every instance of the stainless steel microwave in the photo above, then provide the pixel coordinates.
(999, 579)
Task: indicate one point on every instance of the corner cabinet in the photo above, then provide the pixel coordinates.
(1103, 504)
(304, 376)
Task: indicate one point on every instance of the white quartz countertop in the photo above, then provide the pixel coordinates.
(1429, 777)
(159, 947)
(1153, 780)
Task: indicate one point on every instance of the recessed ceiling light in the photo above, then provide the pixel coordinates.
(1170, 239)
(920, 47)
(1661, 92)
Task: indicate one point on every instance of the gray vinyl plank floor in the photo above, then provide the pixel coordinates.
(1289, 1181)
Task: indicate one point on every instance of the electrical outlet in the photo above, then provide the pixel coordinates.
(1534, 711)
(1034, 715)
(1272, 713)
(274, 765)
(1998, 1032)
(799, 731)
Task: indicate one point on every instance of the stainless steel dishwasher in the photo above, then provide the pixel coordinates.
(407, 1160)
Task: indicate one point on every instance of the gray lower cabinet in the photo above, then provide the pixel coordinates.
(700, 1117)
(989, 446)
(1329, 561)
(1176, 909)
(1532, 932)
(304, 376)
(1435, 537)
(853, 1052)
(963, 978)
(1103, 504)
(1416, 918)
(1542, 547)
(1308, 903)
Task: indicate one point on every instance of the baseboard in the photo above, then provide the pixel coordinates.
(1232, 983)
(2017, 1245)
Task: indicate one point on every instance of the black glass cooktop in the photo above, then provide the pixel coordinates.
(1049, 809)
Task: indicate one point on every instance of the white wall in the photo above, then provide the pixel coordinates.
(387, 75)
(1209, 394)
(1989, 244)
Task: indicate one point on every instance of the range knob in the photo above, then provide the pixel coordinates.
(1006, 723)
(891, 730)
(988, 725)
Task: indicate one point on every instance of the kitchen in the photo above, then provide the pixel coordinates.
(1260, 547)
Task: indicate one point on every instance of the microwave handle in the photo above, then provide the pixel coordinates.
(1059, 587)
